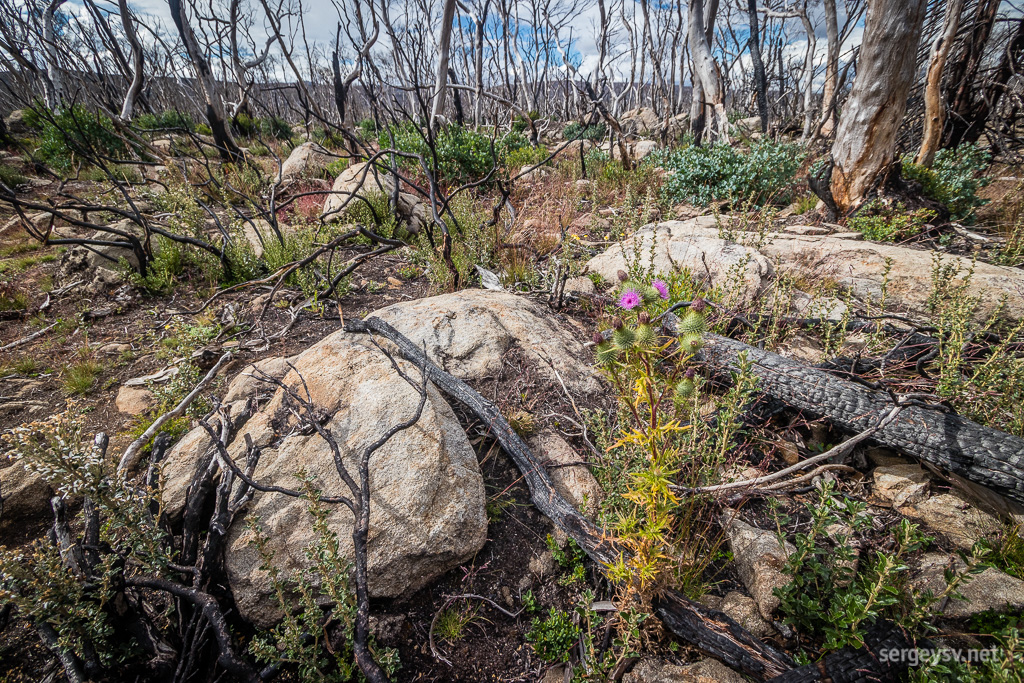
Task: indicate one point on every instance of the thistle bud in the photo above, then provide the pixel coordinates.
(699, 305)
(690, 373)
(597, 339)
(623, 275)
(617, 323)
(644, 318)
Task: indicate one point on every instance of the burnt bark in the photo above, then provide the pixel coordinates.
(981, 454)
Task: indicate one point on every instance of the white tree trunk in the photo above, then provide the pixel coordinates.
(55, 92)
(831, 68)
(866, 140)
(706, 70)
(444, 50)
(934, 107)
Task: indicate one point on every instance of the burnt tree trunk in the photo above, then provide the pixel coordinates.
(760, 80)
(226, 145)
(962, 124)
(865, 146)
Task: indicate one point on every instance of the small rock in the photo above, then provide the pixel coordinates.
(134, 400)
(654, 670)
(543, 565)
(759, 560)
(955, 518)
(744, 610)
(26, 496)
(571, 476)
(807, 230)
(900, 485)
(579, 285)
(885, 457)
(802, 347)
(989, 590)
(849, 235)
(394, 282)
(555, 674)
(114, 349)
(789, 451)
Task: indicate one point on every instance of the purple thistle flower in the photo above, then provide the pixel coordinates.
(629, 299)
(661, 287)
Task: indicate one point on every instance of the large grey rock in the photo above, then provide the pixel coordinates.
(572, 149)
(641, 149)
(759, 561)
(427, 495)
(989, 590)
(15, 122)
(693, 244)
(469, 332)
(307, 160)
(858, 266)
(361, 180)
(26, 496)
(861, 267)
(655, 670)
(640, 121)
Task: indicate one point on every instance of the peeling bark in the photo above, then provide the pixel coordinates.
(865, 143)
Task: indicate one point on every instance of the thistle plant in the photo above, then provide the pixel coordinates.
(655, 383)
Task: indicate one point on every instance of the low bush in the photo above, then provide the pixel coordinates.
(10, 176)
(578, 131)
(69, 134)
(833, 598)
(166, 120)
(463, 155)
(702, 175)
(954, 179)
(889, 224)
(269, 127)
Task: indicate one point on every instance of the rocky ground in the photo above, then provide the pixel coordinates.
(451, 514)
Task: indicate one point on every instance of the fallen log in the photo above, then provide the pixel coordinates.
(712, 631)
(980, 454)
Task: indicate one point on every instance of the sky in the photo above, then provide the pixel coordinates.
(321, 21)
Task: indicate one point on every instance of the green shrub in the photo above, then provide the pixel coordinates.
(525, 156)
(702, 175)
(463, 155)
(80, 378)
(577, 131)
(270, 127)
(552, 638)
(70, 133)
(954, 179)
(367, 129)
(10, 176)
(170, 119)
(888, 224)
(834, 597)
